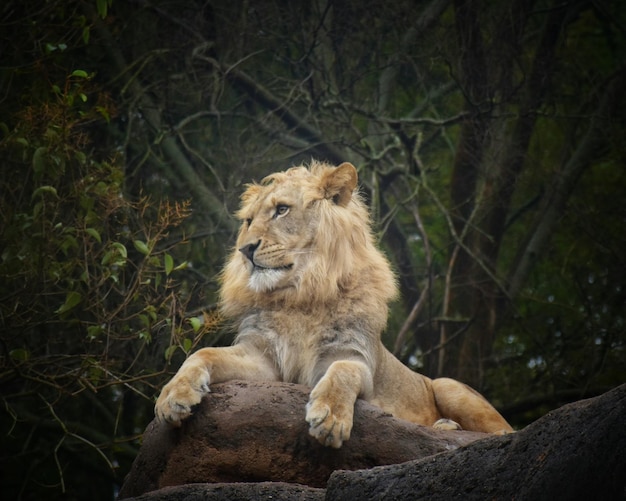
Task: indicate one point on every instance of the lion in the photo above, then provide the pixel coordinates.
(308, 291)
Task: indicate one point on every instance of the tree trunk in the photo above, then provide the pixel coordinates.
(490, 157)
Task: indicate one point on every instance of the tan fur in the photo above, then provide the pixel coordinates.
(308, 291)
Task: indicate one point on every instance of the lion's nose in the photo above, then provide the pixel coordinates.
(248, 250)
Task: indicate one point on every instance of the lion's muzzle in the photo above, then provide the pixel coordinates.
(249, 249)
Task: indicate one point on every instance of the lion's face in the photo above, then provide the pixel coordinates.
(280, 221)
(278, 226)
(305, 238)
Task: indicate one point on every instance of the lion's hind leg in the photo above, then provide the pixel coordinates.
(446, 424)
(465, 406)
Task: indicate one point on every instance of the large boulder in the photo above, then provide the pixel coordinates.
(255, 432)
(575, 452)
(246, 434)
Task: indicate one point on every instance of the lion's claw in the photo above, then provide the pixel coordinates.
(181, 394)
(330, 429)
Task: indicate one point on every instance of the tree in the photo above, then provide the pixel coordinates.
(488, 138)
(489, 162)
(94, 292)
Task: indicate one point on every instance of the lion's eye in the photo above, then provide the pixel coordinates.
(281, 210)
(248, 221)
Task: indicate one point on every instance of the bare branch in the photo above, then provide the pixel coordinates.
(198, 188)
(410, 320)
(265, 98)
(565, 181)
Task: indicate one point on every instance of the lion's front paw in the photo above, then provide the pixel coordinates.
(329, 424)
(178, 397)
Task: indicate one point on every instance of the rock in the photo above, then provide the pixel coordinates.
(255, 432)
(274, 491)
(574, 452)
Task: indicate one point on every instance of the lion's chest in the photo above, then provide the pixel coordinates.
(297, 343)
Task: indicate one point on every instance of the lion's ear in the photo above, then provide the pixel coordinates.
(339, 183)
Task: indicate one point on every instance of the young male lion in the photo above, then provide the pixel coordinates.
(308, 291)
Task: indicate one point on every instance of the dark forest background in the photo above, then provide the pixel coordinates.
(490, 141)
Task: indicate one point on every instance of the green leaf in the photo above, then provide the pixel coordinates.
(121, 249)
(169, 352)
(68, 242)
(93, 331)
(102, 8)
(39, 159)
(95, 373)
(81, 157)
(37, 209)
(106, 259)
(151, 311)
(187, 344)
(80, 73)
(141, 247)
(196, 323)
(145, 335)
(71, 301)
(104, 112)
(45, 189)
(94, 233)
(20, 354)
(168, 261)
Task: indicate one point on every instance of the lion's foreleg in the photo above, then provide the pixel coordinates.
(209, 365)
(331, 404)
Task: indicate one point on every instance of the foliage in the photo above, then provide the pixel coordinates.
(94, 299)
(489, 141)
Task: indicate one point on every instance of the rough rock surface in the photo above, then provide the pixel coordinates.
(254, 432)
(274, 491)
(575, 452)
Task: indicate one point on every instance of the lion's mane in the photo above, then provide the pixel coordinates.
(342, 262)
